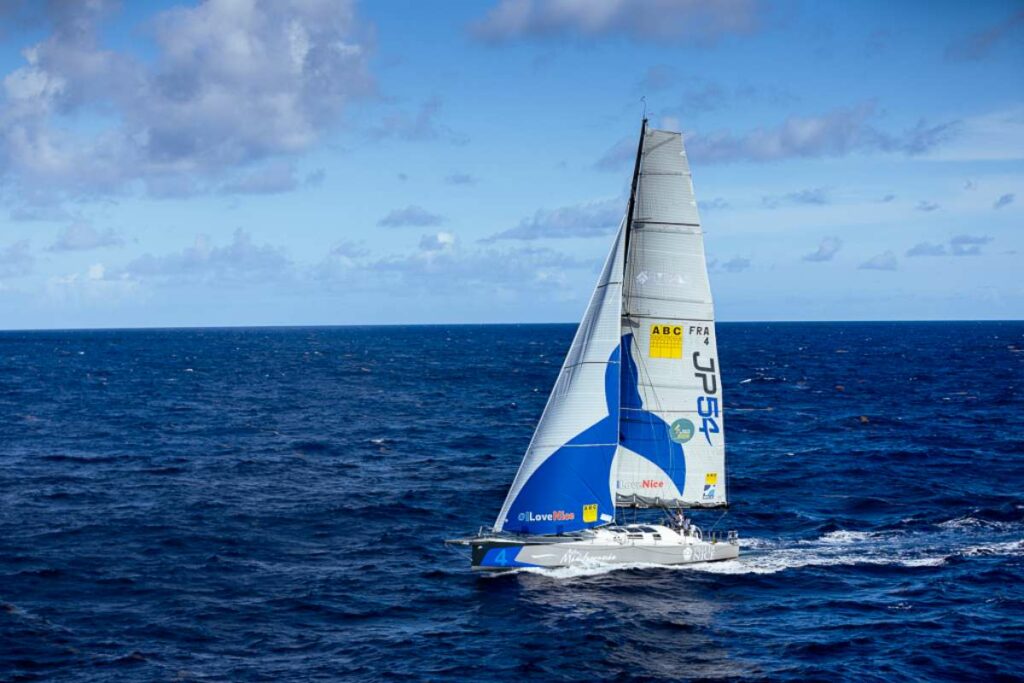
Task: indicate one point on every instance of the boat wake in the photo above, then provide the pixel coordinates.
(836, 548)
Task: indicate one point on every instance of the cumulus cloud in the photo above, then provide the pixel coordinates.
(441, 241)
(665, 20)
(592, 219)
(410, 215)
(441, 266)
(959, 245)
(884, 261)
(93, 286)
(16, 259)
(980, 44)
(926, 249)
(828, 248)
(968, 245)
(814, 196)
(80, 236)
(229, 83)
(1004, 200)
(836, 133)
(240, 261)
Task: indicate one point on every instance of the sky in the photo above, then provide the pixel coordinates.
(297, 162)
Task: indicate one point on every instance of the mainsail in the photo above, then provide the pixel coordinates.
(672, 449)
(647, 430)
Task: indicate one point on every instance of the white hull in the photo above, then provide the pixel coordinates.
(634, 544)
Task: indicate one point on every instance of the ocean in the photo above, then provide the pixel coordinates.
(271, 504)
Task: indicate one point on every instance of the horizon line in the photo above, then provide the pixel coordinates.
(142, 328)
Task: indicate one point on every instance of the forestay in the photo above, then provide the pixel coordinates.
(672, 449)
(563, 483)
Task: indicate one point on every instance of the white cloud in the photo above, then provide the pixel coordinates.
(980, 44)
(442, 241)
(94, 287)
(835, 133)
(80, 236)
(230, 83)
(737, 264)
(968, 245)
(1004, 200)
(828, 248)
(884, 261)
(814, 196)
(411, 215)
(667, 20)
(240, 261)
(926, 249)
(593, 219)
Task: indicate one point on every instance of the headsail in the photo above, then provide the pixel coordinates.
(563, 483)
(672, 448)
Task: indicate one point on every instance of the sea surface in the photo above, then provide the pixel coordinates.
(271, 505)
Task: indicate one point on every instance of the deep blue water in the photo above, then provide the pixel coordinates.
(270, 504)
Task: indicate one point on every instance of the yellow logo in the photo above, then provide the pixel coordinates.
(711, 478)
(590, 513)
(666, 341)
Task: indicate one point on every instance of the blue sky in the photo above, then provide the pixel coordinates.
(310, 162)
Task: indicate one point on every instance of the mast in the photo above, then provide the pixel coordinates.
(632, 197)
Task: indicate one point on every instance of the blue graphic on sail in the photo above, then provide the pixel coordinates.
(576, 475)
(643, 432)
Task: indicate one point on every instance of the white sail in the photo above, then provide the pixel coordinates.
(672, 447)
(563, 482)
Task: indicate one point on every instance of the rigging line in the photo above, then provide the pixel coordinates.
(633, 188)
(724, 513)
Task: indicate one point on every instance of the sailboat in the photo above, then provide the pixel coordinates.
(635, 418)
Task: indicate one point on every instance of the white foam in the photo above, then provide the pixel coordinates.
(842, 537)
(968, 522)
(1004, 548)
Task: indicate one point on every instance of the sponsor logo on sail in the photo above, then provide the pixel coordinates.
(682, 430)
(640, 484)
(666, 341)
(590, 513)
(553, 516)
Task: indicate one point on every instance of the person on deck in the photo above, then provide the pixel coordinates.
(680, 520)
